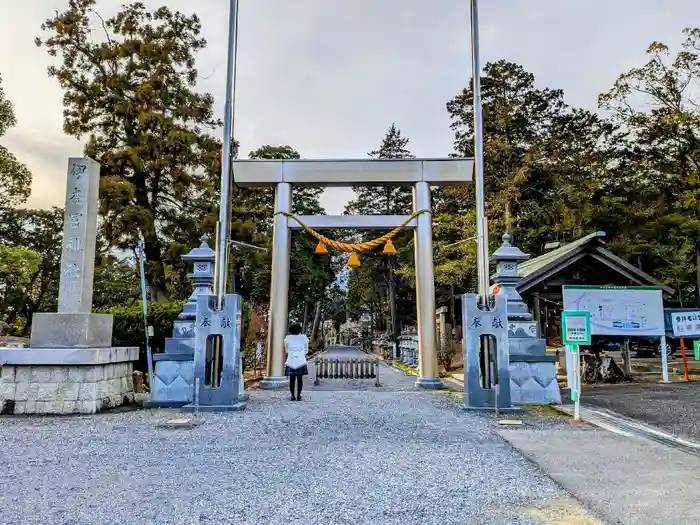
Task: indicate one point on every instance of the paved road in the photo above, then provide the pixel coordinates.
(390, 379)
(625, 480)
(353, 457)
(673, 407)
(344, 352)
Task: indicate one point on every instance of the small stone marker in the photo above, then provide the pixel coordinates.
(510, 422)
(179, 423)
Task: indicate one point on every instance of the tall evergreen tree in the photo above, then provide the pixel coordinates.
(15, 178)
(542, 160)
(658, 106)
(129, 87)
(380, 270)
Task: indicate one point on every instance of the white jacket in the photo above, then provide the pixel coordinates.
(297, 347)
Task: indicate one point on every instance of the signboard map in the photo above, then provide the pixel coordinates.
(686, 324)
(618, 310)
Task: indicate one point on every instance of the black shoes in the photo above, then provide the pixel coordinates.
(299, 398)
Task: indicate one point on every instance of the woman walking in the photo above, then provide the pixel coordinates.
(296, 345)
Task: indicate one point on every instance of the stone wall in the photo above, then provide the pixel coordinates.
(62, 387)
(66, 389)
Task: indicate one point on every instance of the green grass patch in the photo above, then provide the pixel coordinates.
(404, 367)
(544, 411)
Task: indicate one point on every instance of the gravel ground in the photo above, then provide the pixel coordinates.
(337, 457)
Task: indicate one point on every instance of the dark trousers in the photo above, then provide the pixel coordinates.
(298, 381)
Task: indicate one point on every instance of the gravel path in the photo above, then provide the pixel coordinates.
(357, 457)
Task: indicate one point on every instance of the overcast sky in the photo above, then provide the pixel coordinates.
(328, 77)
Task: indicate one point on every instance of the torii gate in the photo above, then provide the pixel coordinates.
(419, 173)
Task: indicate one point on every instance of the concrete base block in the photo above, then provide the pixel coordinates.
(61, 330)
(173, 382)
(273, 383)
(534, 384)
(429, 383)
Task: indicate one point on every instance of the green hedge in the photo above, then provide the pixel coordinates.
(129, 329)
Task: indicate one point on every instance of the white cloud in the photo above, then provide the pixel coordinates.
(329, 76)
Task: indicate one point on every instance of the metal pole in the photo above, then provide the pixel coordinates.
(685, 361)
(226, 157)
(144, 300)
(481, 224)
(577, 381)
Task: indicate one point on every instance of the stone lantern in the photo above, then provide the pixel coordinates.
(506, 259)
(173, 383)
(533, 377)
(202, 259)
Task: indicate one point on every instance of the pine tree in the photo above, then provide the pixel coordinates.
(377, 269)
(129, 87)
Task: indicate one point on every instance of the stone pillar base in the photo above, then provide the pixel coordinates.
(66, 381)
(74, 330)
(273, 382)
(429, 383)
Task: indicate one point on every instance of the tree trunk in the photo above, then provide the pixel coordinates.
(507, 216)
(317, 321)
(305, 317)
(154, 267)
(392, 302)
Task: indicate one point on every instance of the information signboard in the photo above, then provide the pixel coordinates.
(630, 311)
(576, 328)
(686, 324)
